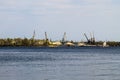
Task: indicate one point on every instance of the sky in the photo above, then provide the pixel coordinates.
(19, 18)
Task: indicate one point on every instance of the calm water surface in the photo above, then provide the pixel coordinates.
(83, 63)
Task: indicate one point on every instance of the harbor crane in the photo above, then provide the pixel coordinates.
(47, 42)
(87, 39)
(92, 39)
(46, 36)
(33, 37)
(64, 37)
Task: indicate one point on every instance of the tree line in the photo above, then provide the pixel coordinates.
(38, 42)
(21, 42)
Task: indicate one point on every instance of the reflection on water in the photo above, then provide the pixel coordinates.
(60, 63)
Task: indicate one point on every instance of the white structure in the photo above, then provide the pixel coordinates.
(105, 44)
(69, 44)
(57, 43)
(81, 44)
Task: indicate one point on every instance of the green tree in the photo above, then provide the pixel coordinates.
(25, 42)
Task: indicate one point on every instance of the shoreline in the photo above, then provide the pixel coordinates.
(19, 42)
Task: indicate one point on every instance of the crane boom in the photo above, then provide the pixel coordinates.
(86, 37)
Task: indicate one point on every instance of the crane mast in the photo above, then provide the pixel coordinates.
(93, 38)
(33, 37)
(46, 36)
(64, 37)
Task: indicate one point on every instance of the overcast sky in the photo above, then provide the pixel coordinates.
(19, 18)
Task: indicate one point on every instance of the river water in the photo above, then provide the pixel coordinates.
(71, 63)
